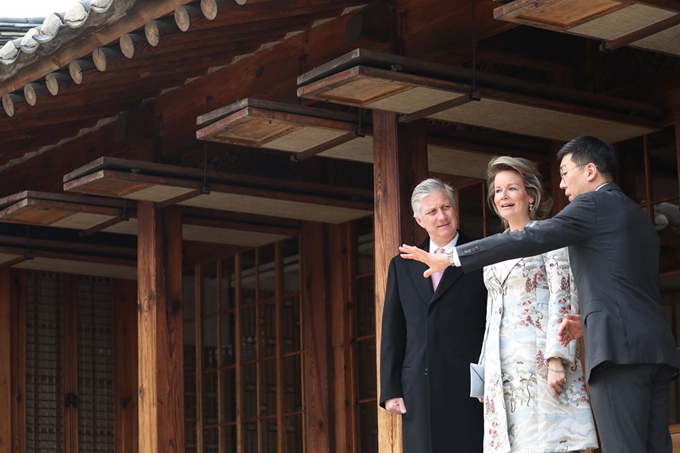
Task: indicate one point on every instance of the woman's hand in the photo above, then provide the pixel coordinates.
(437, 261)
(557, 376)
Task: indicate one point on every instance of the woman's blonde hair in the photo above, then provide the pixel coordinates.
(533, 184)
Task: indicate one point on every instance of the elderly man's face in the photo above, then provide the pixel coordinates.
(438, 217)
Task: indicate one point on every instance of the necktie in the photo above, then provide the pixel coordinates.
(437, 276)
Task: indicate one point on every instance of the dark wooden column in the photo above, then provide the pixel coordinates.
(399, 164)
(160, 344)
(5, 361)
(340, 284)
(315, 322)
(126, 422)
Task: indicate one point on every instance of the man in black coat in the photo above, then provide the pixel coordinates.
(430, 336)
(630, 351)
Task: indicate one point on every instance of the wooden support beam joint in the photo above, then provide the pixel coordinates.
(203, 190)
(410, 117)
(123, 217)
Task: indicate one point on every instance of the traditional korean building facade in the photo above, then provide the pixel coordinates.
(199, 200)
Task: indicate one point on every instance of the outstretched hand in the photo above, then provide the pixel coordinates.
(570, 329)
(436, 262)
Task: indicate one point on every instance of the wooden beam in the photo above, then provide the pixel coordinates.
(156, 29)
(35, 92)
(315, 335)
(132, 44)
(14, 103)
(134, 20)
(186, 14)
(399, 164)
(6, 331)
(125, 397)
(160, 327)
(80, 68)
(229, 13)
(637, 35)
(105, 57)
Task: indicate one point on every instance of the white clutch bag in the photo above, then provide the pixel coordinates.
(476, 380)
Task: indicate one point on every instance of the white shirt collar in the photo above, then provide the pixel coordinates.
(447, 247)
(601, 186)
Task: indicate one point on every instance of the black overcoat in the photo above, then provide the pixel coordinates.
(428, 342)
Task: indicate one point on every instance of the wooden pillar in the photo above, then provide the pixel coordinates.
(69, 315)
(5, 361)
(340, 286)
(160, 339)
(125, 414)
(315, 322)
(399, 164)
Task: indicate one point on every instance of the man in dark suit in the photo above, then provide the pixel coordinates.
(431, 330)
(630, 353)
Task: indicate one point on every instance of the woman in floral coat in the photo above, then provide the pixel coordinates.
(535, 394)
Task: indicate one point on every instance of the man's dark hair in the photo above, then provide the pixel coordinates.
(585, 150)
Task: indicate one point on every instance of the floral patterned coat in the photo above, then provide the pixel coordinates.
(527, 300)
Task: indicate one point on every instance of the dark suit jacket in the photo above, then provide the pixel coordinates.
(428, 342)
(614, 255)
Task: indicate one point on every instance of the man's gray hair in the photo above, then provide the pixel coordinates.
(425, 188)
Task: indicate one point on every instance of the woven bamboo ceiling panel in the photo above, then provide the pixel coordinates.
(257, 123)
(166, 185)
(418, 89)
(509, 112)
(650, 24)
(441, 159)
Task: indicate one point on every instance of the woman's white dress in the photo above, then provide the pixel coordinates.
(527, 301)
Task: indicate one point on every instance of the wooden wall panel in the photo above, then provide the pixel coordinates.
(160, 326)
(5, 361)
(69, 307)
(315, 322)
(400, 163)
(125, 425)
(18, 317)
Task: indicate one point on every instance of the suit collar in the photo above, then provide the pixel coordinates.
(424, 285)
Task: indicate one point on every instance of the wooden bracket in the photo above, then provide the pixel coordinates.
(203, 190)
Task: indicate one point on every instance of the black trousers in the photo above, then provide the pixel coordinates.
(631, 407)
